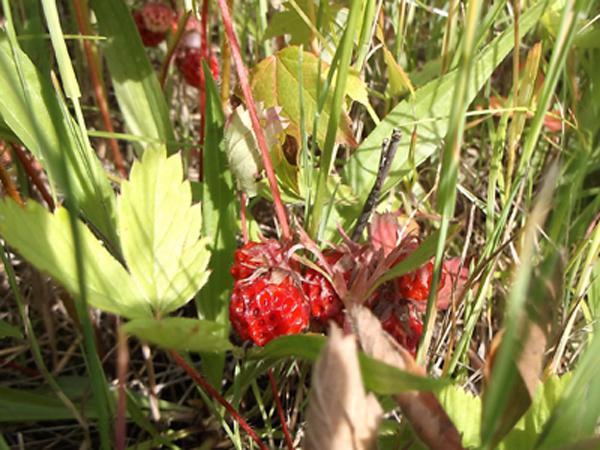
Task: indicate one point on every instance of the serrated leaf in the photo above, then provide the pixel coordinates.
(136, 87)
(464, 409)
(45, 240)
(35, 116)
(180, 333)
(429, 109)
(274, 82)
(526, 432)
(160, 232)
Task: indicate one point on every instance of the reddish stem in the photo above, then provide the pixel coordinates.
(204, 384)
(284, 427)
(34, 175)
(99, 93)
(249, 100)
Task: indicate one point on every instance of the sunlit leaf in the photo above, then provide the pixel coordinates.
(160, 232)
(136, 86)
(45, 240)
(275, 82)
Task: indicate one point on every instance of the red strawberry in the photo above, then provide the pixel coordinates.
(325, 304)
(266, 306)
(415, 285)
(153, 21)
(404, 325)
(189, 63)
(254, 255)
(158, 17)
(149, 38)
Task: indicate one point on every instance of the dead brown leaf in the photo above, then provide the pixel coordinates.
(422, 409)
(340, 415)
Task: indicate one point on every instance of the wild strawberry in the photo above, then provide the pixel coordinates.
(268, 305)
(325, 304)
(415, 285)
(255, 255)
(403, 323)
(189, 63)
(153, 21)
(189, 59)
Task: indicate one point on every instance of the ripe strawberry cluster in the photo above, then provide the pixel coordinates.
(156, 20)
(275, 295)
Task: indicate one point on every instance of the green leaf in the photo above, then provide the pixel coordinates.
(289, 21)
(575, 417)
(219, 210)
(8, 330)
(398, 79)
(219, 225)
(465, 411)
(160, 229)
(429, 109)
(274, 82)
(180, 333)
(31, 109)
(527, 430)
(45, 240)
(378, 377)
(242, 151)
(137, 89)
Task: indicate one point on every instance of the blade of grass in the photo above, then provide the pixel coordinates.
(135, 83)
(328, 151)
(450, 161)
(35, 345)
(504, 370)
(219, 223)
(433, 100)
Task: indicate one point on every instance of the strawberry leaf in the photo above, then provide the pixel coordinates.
(275, 82)
(46, 241)
(160, 232)
(181, 333)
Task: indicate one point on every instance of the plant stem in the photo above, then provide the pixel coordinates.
(99, 93)
(388, 152)
(33, 174)
(278, 405)
(204, 384)
(249, 100)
